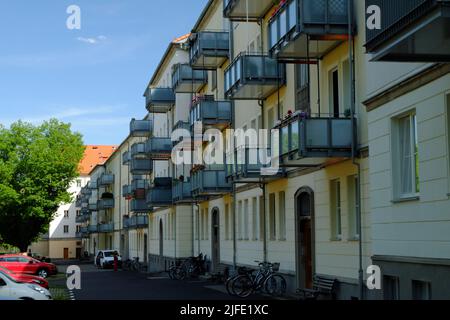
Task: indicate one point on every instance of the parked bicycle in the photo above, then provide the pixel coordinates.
(189, 268)
(264, 280)
(132, 265)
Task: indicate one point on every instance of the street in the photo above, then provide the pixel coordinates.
(124, 285)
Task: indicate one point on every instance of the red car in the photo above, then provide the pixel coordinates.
(24, 278)
(23, 264)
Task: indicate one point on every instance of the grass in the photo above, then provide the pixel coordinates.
(59, 293)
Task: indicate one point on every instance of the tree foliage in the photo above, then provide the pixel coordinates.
(37, 165)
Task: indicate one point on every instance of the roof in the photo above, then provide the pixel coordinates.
(174, 42)
(93, 156)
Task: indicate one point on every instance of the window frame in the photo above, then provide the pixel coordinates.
(336, 210)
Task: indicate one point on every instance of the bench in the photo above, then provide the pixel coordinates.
(321, 287)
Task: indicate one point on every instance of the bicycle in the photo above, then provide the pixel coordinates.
(189, 268)
(135, 265)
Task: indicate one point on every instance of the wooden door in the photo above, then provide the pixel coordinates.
(66, 253)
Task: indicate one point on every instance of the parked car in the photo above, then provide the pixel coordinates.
(25, 278)
(13, 290)
(105, 259)
(27, 265)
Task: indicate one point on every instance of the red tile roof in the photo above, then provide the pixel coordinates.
(93, 156)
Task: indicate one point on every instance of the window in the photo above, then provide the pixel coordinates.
(66, 229)
(227, 222)
(335, 204)
(406, 162)
(391, 288)
(353, 206)
(255, 219)
(66, 214)
(78, 183)
(282, 215)
(246, 218)
(302, 87)
(421, 290)
(262, 208)
(272, 217)
(213, 80)
(78, 229)
(78, 213)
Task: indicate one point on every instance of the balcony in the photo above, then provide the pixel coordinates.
(159, 148)
(138, 150)
(160, 193)
(187, 80)
(83, 233)
(182, 192)
(86, 191)
(136, 222)
(212, 114)
(184, 130)
(141, 166)
(308, 29)
(126, 158)
(252, 164)
(141, 128)
(106, 227)
(411, 31)
(106, 180)
(105, 204)
(92, 229)
(313, 141)
(93, 185)
(209, 50)
(159, 100)
(139, 206)
(78, 201)
(236, 10)
(82, 218)
(210, 181)
(93, 207)
(127, 191)
(253, 77)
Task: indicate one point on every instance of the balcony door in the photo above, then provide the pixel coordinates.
(304, 207)
(215, 239)
(161, 238)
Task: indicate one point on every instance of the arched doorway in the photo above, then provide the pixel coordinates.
(215, 239)
(161, 238)
(304, 230)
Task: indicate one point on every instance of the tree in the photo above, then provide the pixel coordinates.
(37, 166)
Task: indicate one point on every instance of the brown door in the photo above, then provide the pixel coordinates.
(78, 253)
(306, 253)
(66, 253)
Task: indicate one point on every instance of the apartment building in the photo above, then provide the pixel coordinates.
(360, 175)
(62, 241)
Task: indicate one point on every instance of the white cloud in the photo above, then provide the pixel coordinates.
(95, 40)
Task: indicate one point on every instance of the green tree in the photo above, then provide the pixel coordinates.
(37, 165)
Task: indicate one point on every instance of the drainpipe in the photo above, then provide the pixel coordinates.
(355, 146)
(264, 190)
(198, 227)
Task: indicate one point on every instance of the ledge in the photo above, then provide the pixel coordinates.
(409, 199)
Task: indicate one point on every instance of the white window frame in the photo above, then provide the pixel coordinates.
(336, 209)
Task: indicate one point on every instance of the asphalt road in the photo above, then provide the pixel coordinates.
(123, 285)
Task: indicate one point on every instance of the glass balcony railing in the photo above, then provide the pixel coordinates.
(105, 204)
(106, 180)
(92, 228)
(209, 49)
(126, 158)
(159, 100)
(141, 166)
(319, 138)
(139, 206)
(127, 191)
(138, 150)
(136, 222)
(187, 80)
(411, 31)
(308, 29)
(93, 185)
(160, 193)
(212, 114)
(210, 180)
(93, 207)
(141, 128)
(182, 191)
(237, 10)
(106, 228)
(159, 148)
(253, 77)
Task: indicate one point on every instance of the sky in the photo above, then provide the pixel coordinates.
(94, 77)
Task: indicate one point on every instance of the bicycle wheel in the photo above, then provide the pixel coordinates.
(180, 274)
(171, 272)
(275, 285)
(242, 286)
(228, 285)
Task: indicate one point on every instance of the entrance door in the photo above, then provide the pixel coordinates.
(305, 269)
(215, 239)
(66, 253)
(161, 238)
(145, 249)
(78, 253)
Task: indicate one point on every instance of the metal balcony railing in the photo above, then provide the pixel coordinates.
(141, 128)
(237, 10)
(105, 204)
(209, 49)
(141, 166)
(210, 180)
(159, 148)
(106, 180)
(106, 227)
(212, 114)
(187, 80)
(159, 100)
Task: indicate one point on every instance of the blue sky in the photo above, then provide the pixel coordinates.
(93, 78)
